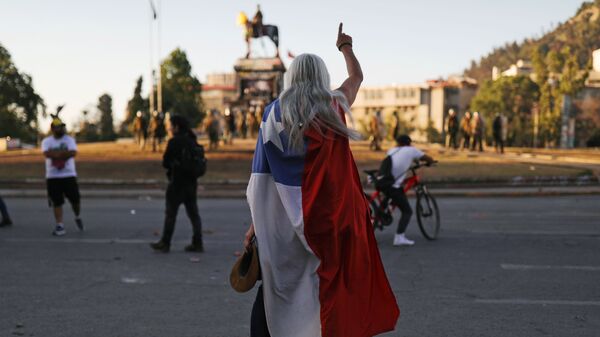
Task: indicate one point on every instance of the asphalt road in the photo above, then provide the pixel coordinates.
(502, 267)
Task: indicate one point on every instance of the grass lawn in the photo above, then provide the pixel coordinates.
(124, 161)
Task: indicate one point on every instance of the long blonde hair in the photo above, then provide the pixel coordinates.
(307, 100)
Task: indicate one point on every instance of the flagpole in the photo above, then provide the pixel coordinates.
(159, 84)
(151, 77)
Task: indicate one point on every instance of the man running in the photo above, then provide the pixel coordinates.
(403, 155)
(61, 178)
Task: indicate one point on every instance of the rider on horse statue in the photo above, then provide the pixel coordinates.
(256, 29)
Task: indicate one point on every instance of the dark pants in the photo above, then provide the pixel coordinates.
(477, 143)
(452, 141)
(399, 199)
(185, 194)
(499, 143)
(466, 141)
(258, 320)
(3, 210)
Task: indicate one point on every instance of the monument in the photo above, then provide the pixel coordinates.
(259, 80)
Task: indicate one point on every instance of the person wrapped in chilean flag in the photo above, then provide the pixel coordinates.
(321, 269)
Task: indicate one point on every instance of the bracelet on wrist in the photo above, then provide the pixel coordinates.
(344, 44)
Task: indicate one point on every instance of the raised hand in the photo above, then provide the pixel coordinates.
(343, 39)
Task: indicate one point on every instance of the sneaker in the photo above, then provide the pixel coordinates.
(160, 246)
(79, 223)
(195, 247)
(6, 222)
(401, 240)
(59, 231)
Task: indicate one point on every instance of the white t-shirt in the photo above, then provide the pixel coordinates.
(59, 168)
(402, 159)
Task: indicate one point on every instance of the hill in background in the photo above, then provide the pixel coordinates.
(581, 34)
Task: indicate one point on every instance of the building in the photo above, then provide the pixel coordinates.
(218, 90)
(593, 79)
(522, 67)
(410, 101)
(454, 93)
(419, 105)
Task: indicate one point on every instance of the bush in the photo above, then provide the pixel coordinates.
(594, 140)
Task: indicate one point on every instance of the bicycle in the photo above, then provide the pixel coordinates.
(428, 214)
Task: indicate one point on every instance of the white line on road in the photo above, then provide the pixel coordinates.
(534, 232)
(520, 301)
(507, 266)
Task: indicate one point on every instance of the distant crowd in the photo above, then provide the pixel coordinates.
(467, 133)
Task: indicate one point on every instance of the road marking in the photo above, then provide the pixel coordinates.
(509, 232)
(520, 301)
(133, 280)
(507, 266)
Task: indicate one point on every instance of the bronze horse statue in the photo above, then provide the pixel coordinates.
(255, 29)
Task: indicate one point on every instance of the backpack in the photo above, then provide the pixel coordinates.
(385, 179)
(192, 161)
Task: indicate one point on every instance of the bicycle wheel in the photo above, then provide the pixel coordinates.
(373, 207)
(428, 214)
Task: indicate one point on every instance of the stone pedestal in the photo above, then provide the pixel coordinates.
(258, 81)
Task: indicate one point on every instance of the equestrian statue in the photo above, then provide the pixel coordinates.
(256, 29)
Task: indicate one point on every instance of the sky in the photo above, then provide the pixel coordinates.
(77, 50)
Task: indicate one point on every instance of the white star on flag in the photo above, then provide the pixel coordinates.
(271, 129)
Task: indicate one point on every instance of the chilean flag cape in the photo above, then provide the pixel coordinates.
(321, 268)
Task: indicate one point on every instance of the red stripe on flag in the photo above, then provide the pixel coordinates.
(355, 296)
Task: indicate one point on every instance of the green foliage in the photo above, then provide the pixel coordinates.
(560, 61)
(433, 135)
(20, 105)
(106, 127)
(405, 126)
(559, 75)
(515, 97)
(579, 34)
(88, 131)
(594, 140)
(181, 89)
(135, 104)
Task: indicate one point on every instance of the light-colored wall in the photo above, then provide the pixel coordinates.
(215, 99)
(406, 99)
(220, 79)
(437, 107)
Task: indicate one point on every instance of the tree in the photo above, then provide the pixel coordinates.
(20, 105)
(88, 131)
(181, 89)
(515, 97)
(135, 104)
(106, 127)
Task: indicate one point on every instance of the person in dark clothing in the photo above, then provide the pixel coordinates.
(465, 126)
(497, 130)
(452, 130)
(182, 187)
(4, 212)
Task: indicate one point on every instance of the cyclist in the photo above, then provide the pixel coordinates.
(403, 155)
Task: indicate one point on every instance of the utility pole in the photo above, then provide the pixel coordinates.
(159, 97)
(155, 105)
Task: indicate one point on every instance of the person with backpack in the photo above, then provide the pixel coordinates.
(393, 172)
(185, 163)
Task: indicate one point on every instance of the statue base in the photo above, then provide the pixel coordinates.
(259, 81)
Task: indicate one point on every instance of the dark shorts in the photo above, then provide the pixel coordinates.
(59, 188)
